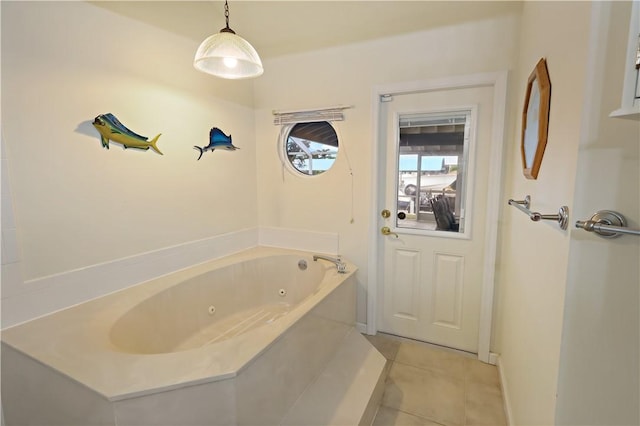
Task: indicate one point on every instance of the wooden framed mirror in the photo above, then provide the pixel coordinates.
(535, 119)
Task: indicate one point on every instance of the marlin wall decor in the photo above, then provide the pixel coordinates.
(217, 139)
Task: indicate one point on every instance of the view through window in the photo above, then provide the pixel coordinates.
(432, 171)
(312, 148)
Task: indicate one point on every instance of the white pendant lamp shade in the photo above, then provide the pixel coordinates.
(228, 55)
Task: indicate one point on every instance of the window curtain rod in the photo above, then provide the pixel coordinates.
(334, 113)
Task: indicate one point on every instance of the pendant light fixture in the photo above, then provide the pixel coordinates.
(228, 55)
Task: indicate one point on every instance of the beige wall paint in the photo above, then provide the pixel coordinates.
(77, 204)
(533, 257)
(599, 377)
(346, 76)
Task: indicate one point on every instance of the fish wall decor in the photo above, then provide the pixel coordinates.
(217, 139)
(110, 128)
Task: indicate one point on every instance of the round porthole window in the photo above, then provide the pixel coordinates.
(311, 148)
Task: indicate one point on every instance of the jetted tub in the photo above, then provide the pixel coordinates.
(232, 341)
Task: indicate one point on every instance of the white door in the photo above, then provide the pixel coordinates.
(437, 160)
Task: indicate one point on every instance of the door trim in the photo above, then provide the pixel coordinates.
(497, 80)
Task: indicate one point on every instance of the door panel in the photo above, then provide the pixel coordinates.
(433, 277)
(446, 301)
(405, 295)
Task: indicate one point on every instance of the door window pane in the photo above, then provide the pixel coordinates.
(432, 154)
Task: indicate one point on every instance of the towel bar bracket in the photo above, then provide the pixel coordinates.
(523, 205)
(526, 203)
(562, 217)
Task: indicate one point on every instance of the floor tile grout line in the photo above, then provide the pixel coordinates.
(466, 379)
(421, 417)
(466, 389)
(414, 415)
(432, 370)
(446, 349)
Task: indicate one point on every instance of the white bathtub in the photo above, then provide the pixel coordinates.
(220, 304)
(232, 341)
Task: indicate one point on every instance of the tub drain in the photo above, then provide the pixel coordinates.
(282, 292)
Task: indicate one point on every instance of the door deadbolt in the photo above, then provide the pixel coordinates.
(386, 213)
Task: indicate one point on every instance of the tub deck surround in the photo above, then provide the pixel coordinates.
(98, 345)
(24, 301)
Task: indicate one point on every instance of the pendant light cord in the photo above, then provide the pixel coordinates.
(226, 18)
(226, 13)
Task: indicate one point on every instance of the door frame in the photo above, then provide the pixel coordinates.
(498, 81)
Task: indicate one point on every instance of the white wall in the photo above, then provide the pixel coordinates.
(533, 257)
(77, 204)
(346, 76)
(599, 377)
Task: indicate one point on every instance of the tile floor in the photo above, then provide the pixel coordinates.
(430, 386)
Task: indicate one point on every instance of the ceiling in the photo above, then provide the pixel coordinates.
(278, 28)
(319, 132)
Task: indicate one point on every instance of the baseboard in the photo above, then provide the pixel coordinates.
(505, 391)
(361, 327)
(493, 358)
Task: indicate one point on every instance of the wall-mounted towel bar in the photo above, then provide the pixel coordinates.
(608, 224)
(523, 205)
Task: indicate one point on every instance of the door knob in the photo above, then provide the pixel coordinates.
(387, 231)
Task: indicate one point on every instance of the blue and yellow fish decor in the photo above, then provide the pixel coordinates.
(217, 139)
(110, 128)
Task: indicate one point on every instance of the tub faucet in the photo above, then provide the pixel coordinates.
(342, 267)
